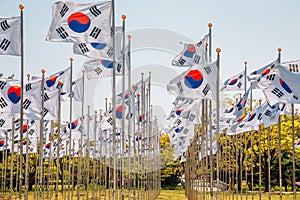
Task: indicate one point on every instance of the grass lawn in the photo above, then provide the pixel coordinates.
(172, 195)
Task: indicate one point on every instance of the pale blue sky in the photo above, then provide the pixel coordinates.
(249, 30)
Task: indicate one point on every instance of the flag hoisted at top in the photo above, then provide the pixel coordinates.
(234, 83)
(10, 36)
(80, 22)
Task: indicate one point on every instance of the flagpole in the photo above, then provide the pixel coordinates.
(27, 159)
(70, 127)
(259, 157)
(21, 7)
(12, 159)
(123, 112)
(269, 165)
(293, 153)
(218, 50)
(251, 144)
(279, 142)
(94, 156)
(42, 134)
(246, 137)
(129, 111)
(114, 103)
(210, 117)
(88, 155)
(58, 140)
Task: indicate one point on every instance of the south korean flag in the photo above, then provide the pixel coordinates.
(80, 22)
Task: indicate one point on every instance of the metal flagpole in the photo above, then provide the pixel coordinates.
(251, 156)
(279, 143)
(58, 138)
(114, 104)
(12, 159)
(81, 141)
(27, 159)
(246, 135)
(123, 113)
(87, 155)
(42, 135)
(259, 157)
(70, 127)
(218, 118)
(269, 165)
(129, 111)
(21, 102)
(94, 156)
(293, 153)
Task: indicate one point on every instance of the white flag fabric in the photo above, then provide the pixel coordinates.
(234, 83)
(5, 121)
(192, 54)
(100, 50)
(257, 74)
(297, 144)
(10, 96)
(63, 76)
(10, 36)
(198, 82)
(80, 22)
(77, 90)
(240, 107)
(206, 150)
(278, 89)
(101, 68)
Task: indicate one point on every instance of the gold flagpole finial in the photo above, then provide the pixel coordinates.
(279, 50)
(28, 76)
(71, 59)
(129, 36)
(43, 71)
(245, 62)
(218, 50)
(21, 6)
(123, 17)
(83, 71)
(210, 25)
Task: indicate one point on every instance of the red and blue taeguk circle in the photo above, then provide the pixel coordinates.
(79, 22)
(193, 79)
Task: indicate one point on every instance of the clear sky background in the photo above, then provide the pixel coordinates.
(249, 30)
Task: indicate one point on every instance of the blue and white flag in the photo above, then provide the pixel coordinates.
(234, 83)
(10, 36)
(80, 22)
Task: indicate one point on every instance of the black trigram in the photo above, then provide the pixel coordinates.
(294, 67)
(119, 67)
(239, 85)
(2, 122)
(179, 122)
(45, 111)
(31, 132)
(207, 69)
(95, 32)
(241, 125)
(192, 117)
(28, 87)
(277, 92)
(4, 44)
(59, 86)
(98, 70)
(268, 113)
(271, 77)
(46, 97)
(206, 89)
(181, 61)
(4, 25)
(63, 10)
(259, 116)
(2, 84)
(110, 52)
(62, 32)
(26, 104)
(199, 44)
(197, 58)
(83, 48)
(186, 131)
(95, 11)
(3, 103)
(180, 88)
(110, 121)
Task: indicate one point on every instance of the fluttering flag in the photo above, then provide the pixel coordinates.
(101, 68)
(192, 54)
(10, 96)
(240, 107)
(198, 82)
(64, 77)
(96, 50)
(10, 36)
(297, 144)
(257, 74)
(80, 22)
(276, 89)
(234, 83)
(77, 90)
